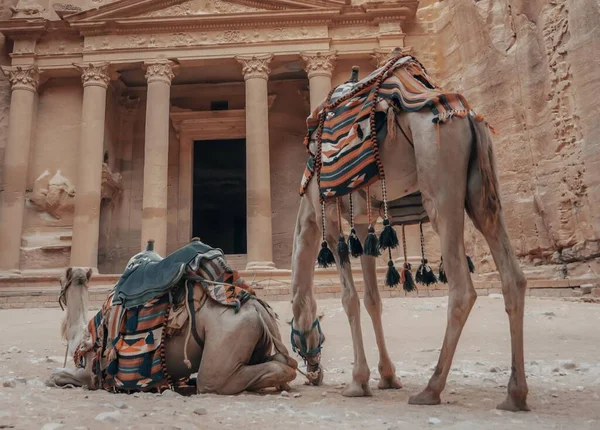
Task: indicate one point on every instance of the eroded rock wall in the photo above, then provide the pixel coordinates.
(531, 67)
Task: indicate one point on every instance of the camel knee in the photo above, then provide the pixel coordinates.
(372, 302)
(350, 300)
(461, 305)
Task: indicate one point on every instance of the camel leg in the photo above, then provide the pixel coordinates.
(304, 255)
(461, 299)
(229, 346)
(514, 286)
(350, 300)
(443, 185)
(387, 370)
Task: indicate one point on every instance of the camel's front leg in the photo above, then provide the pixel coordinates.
(387, 370)
(351, 302)
(304, 305)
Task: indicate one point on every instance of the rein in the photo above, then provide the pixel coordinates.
(62, 298)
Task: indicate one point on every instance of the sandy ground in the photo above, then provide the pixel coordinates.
(562, 362)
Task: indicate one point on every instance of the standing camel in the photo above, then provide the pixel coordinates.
(453, 166)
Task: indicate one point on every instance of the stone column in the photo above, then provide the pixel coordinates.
(88, 189)
(24, 81)
(159, 75)
(258, 173)
(319, 66)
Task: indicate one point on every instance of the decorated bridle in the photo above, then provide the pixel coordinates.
(303, 350)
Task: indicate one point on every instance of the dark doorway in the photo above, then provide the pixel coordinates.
(219, 211)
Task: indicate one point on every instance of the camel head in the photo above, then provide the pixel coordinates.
(77, 277)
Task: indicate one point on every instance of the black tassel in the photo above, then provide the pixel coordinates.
(343, 251)
(407, 279)
(146, 366)
(325, 257)
(356, 249)
(471, 265)
(372, 243)
(442, 273)
(425, 275)
(392, 277)
(388, 237)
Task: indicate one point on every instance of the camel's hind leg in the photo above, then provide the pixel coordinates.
(229, 346)
(442, 171)
(514, 285)
(372, 299)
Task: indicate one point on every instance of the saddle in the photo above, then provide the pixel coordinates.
(148, 275)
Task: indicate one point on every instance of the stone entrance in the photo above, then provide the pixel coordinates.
(219, 194)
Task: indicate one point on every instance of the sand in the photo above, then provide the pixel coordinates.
(562, 361)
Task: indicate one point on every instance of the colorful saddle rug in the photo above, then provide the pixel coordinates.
(348, 150)
(129, 342)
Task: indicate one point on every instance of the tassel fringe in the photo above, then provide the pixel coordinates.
(325, 257)
(471, 265)
(425, 275)
(407, 279)
(392, 277)
(442, 273)
(343, 251)
(388, 237)
(356, 248)
(372, 243)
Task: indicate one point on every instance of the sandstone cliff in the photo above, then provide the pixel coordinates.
(529, 67)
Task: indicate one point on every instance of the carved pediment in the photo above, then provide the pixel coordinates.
(200, 7)
(136, 9)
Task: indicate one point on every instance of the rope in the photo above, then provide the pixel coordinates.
(404, 244)
(351, 212)
(369, 206)
(339, 213)
(422, 240)
(186, 360)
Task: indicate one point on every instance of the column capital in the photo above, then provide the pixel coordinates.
(319, 63)
(255, 66)
(160, 70)
(382, 56)
(94, 74)
(22, 77)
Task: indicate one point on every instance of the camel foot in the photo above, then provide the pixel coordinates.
(425, 397)
(513, 404)
(283, 387)
(356, 389)
(389, 383)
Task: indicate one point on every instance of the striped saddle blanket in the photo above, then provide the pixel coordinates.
(348, 153)
(129, 342)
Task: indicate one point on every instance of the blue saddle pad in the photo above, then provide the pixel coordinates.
(148, 275)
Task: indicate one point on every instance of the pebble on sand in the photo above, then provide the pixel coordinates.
(434, 421)
(11, 383)
(14, 350)
(109, 417)
(200, 411)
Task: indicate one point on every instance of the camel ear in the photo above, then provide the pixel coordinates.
(69, 273)
(88, 275)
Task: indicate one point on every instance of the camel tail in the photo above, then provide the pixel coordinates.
(74, 325)
(483, 188)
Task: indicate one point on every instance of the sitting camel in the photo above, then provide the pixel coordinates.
(453, 166)
(230, 347)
